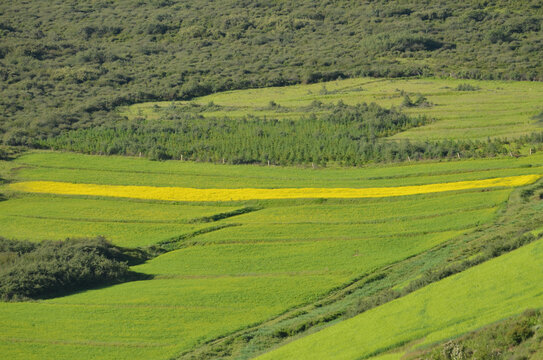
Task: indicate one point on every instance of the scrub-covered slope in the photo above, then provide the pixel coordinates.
(67, 64)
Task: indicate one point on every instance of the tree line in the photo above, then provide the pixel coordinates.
(346, 135)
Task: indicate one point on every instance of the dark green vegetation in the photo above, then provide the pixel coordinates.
(513, 229)
(30, 270)
(345, 134)
(520, 337)
(9, 152)
(66, 65)
(348, 135)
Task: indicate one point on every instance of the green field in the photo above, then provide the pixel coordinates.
(495, 109)
(284, 254)
(495, 290)
(118, 170)
(125, 223)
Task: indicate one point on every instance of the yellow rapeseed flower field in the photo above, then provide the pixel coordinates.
(193, 194)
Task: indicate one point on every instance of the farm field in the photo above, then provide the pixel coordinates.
(247, 268)
(484, 294)
(117, 170)
(125, 223)
(491, 109)
(195, 194)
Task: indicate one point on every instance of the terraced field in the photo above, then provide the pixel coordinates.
(116, 170)
(491, 109)
(126, 223)
(150, 211)
(234, 270)
(465, 302)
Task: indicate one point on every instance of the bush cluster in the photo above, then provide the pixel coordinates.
(50, 268)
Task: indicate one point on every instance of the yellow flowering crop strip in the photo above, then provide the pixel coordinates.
(193, 194)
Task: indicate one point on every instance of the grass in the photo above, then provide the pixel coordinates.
(518, 337)
(123, 234)
(495, 109)
(450, 307)
(344, 259)
(116, 170)
(290, 252)
(380, 210)
(147, 318)
(344, 232)
(125, 223)
(368, 291)
(287, 253)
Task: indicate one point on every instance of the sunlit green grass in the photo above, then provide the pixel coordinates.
(344, 232)
(148, 319)
(282, 255)
(346, 259)
(498, 108)
(486, 293)
(367, 211)
(123, 234)
(106, 210)
(126, 223)
(117, 170)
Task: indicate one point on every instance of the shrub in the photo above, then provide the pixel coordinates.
(454, 351)
(466, 87)
(519, 333)
(421, 101)
(32, 271)
(526, 194)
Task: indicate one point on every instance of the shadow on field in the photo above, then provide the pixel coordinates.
(131, 277)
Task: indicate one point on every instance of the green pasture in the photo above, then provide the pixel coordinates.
(486, 293)
(344, 259)
(126, 223)
(107, 210)
(281, 256)
(495, 109)
(344, 232)
(374, 211)
(123, 234)
(148, 319)
(117, 170)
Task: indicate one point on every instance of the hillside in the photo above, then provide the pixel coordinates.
(328, 124)
(66, 65)
(235, 180)
(252, 272)
(437, 312)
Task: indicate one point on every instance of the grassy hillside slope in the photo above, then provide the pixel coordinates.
(500, 288)
(517, 337)
(349, 122)
(247, 269)
(488, 109)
